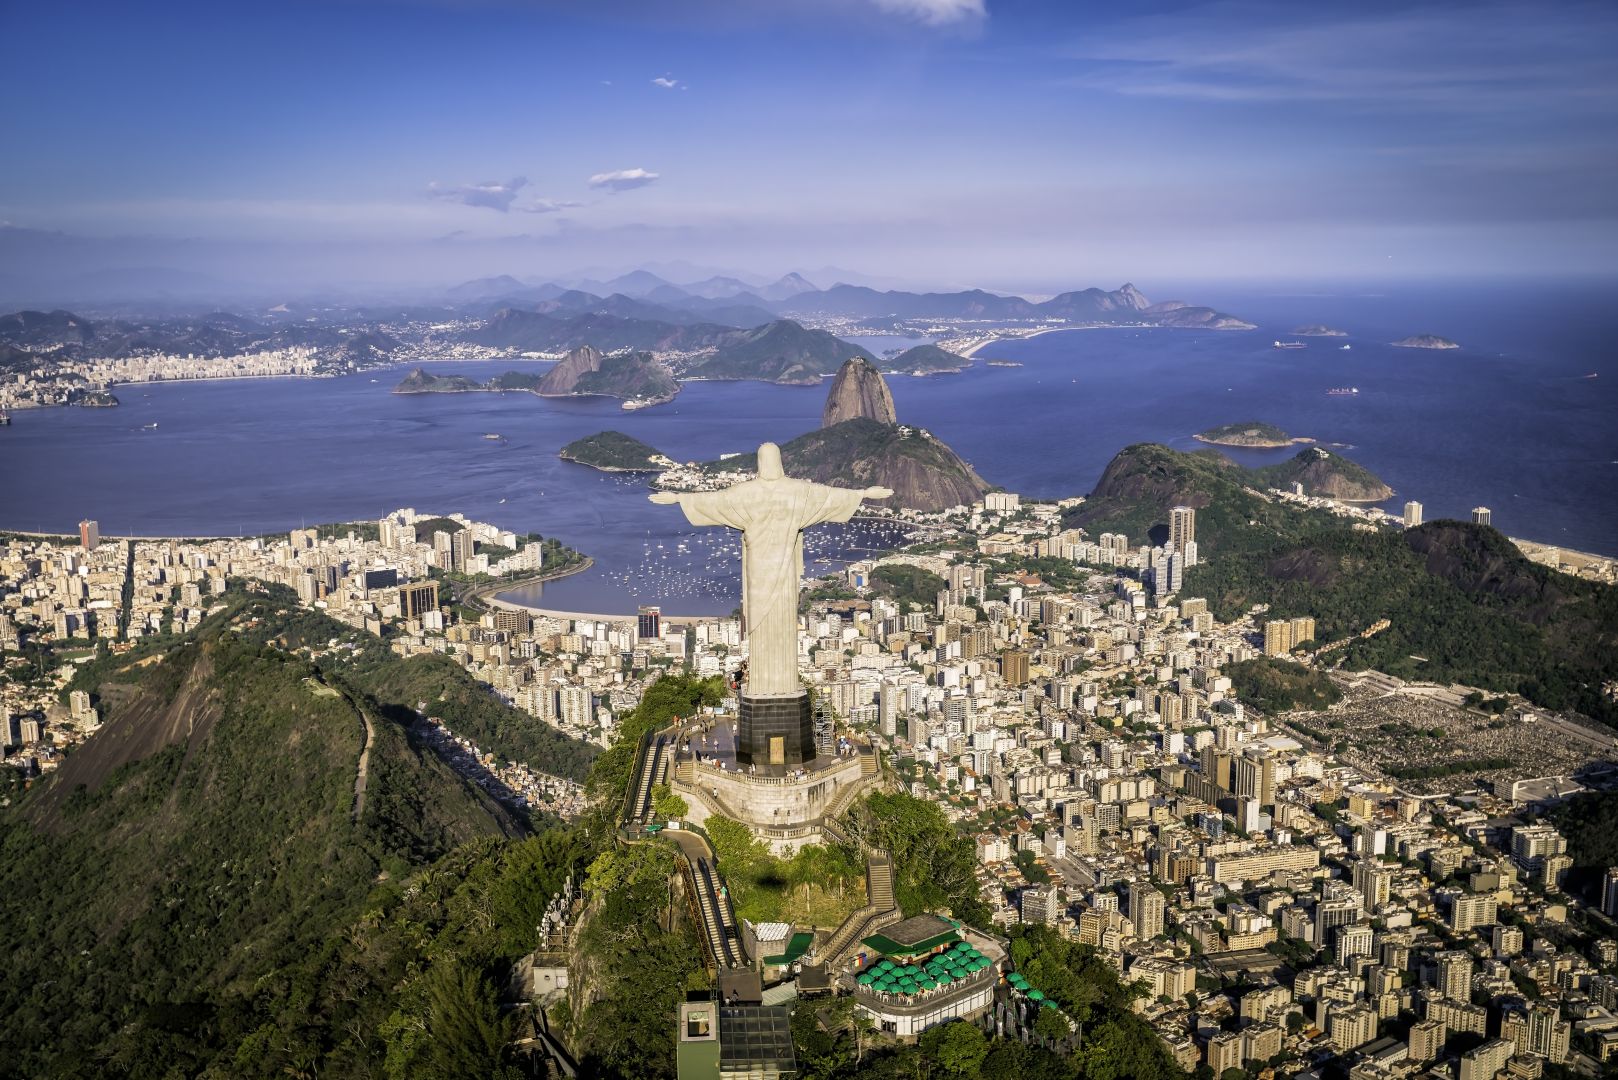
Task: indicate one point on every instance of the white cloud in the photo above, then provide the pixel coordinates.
(489, 194)
(935, 12)
(546, 206)
(668, 82)
(623, 179)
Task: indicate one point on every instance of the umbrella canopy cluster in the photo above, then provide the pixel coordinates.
(1018, 982)
(939, 970)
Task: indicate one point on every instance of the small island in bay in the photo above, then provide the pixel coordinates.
(635, 377)
(1249, 433)
(1316, 330)
(422, 381)
(613, 451)
(927, 360)
(1425, 341)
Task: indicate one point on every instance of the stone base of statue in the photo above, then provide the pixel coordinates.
(775, 734)
(785, 806)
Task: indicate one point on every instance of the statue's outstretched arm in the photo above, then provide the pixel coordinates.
(706, 507)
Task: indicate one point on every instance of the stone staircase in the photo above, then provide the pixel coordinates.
(879, 911)
(879, 880)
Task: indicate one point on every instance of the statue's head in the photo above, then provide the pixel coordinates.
(769, 462)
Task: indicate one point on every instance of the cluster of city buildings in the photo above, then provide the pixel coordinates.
(1277, 902)
(63, 381)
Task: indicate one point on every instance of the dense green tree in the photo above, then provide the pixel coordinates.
(958, 1048)
(466, 1036)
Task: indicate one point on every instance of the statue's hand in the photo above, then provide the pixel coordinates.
(664, 498)
(878, 492)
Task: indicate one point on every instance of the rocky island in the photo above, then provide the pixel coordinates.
(928, 360)
(613, 451)
(633, 376)
(422, 381)
(1252, 434)
(636, 378)
(1425, 341)
(1316, 330)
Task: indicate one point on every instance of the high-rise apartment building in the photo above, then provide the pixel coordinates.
(1471, 911)
(1014, 668)
(1182, 528)
(1412, 514)
(649, 623)
(1609, 893)
(461, 546)
(1483, 1062)
(1145, 909)
(1532, 844)
(1426, 1040)
(89, 535)
(1042, 904)
(1452, 974)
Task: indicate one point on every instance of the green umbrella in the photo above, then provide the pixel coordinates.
(867, 978)
(1049, 1004)
(885, 965)
(1036, 995)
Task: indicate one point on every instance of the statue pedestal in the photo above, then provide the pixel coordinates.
(775, 734)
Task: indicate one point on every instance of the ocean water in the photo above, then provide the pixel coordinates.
(1510, 421)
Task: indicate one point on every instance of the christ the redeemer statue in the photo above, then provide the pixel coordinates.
(771, 513)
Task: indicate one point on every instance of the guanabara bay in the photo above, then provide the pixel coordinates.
(894, 539)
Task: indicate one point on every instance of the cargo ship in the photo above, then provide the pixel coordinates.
(1289, 345)
(1343, 391)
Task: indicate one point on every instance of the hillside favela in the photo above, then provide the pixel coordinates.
(744, 540)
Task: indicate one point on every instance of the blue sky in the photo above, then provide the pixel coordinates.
(939, 142)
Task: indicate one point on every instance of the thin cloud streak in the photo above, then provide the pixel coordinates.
(489, 195)
(1492, 57)
(623, 179)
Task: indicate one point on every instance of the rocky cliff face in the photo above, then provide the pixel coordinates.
(858, 391)
(564, 377)
(924, 473)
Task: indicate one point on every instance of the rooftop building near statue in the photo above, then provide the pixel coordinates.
(1482, 515)
(735, 1042)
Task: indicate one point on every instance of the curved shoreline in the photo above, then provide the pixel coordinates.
(487, 595)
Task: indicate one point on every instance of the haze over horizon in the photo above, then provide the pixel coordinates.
(373, 146)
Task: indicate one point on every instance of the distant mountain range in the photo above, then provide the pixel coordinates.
(794, 294)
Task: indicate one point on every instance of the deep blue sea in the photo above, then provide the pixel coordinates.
(1510, 421)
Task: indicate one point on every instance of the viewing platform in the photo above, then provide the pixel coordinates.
(788, 807)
